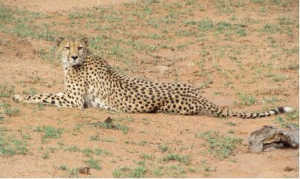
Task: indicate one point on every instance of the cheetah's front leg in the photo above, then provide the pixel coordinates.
(58, 99)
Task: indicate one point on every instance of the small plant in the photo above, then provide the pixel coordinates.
(247, 100)
(292, 116)
(48, 54)
(31, 91)
(142, 143)
(185, 159)
(279, 78)
(93, 164)
(125, 172)
(101, 152)
(87, 151)
(285, 21)
(11, 112)
(205, 25)
(258, 1)
(230, 131)
(110, 125)
(51, 132)
(74, 172)
(281, 121)
(138, 172)
(63, 167)
(1, 119)
(284, 123)
(73, 149)
(6, 91)
(157, 171)
(231, 123)
(218, 145)
(77, 128)
(272, 28)
(45, 155)
(41, 107)
(101, 139)
(146, 157)
(9, 145)
(206, 84)
(175, 171)
(163, 148)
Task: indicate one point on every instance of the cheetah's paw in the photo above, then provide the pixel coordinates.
(18, 98)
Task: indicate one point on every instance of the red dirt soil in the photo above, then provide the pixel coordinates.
(22, 68)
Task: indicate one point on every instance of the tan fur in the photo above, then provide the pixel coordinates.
(92, 82)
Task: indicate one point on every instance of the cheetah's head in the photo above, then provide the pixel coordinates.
(72, 52)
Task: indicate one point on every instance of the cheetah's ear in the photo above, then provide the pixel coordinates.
(58, 41)
(85, 40)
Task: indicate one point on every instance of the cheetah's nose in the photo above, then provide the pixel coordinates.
(74, 57)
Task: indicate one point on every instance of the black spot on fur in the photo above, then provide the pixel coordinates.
(281, 109)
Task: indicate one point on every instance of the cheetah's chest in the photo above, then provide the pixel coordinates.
(90, 100)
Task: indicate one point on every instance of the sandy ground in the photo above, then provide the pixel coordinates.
(61, 6)
(22, 67)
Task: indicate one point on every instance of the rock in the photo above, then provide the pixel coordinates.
(269, 137)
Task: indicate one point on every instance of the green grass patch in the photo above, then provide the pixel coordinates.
(293, 115)
(163, 148)
(52, 132)
(6, 109)
(73, 149)
(175, 171)
(12, 112)
(247, 100)
(185, 159)
(6, 14)
(102, 139)
(48, 54)
(146, 157)
(10, 145)
(6, 91)
(219, 145)
(49, 132)
(88, 151)
(93, 164)
(117, 126)
(205, 25)
(15, 21)
(126, 172)
(287, 121)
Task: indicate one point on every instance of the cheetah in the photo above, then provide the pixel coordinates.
(91, 82)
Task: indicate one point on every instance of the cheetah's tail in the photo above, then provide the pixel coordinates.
(247, 115)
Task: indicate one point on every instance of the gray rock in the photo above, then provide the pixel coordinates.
(269, 137)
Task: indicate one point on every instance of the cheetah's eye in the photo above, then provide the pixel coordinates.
(80, 48)
(68, 48)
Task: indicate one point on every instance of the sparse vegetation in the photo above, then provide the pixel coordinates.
(236, 50)
(137, 172)
(11, 112)
(10, 145)
(163, 148)
(93, 164)
(117, 126)
(219, 145)
(288, 120)
(247, 100)
(6, 91)
(186, 159)
(49, 132)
